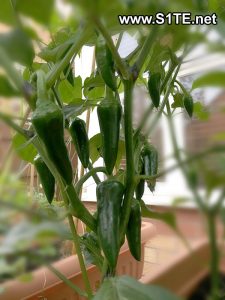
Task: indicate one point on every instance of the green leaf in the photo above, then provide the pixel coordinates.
(124, 288)
(39, 10)
(200, 111)
(6, 89)
(178, 100)
(74, 109)
(94, 87)
(215, 79)
(95, 145)
(25, 151)
(91, 249)
(18, 46)
(7, 14)
(70, 93)
(167, 217)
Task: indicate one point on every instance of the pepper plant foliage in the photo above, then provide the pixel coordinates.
(56, 99)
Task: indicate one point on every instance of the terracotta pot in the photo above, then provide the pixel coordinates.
(46, 286)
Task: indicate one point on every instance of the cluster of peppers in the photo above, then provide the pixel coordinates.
(48, 122)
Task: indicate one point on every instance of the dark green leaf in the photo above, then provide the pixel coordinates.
(25, 150)
(124, 287)
(18, 46)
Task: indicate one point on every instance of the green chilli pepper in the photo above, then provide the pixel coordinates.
(109, 201)
(109, 116)
(140, 188)
(105, 63)
(46, 178)
(150, 159)
(188, 104)
(48, 122)
(80, 139)
(154, 83)
(133, 232)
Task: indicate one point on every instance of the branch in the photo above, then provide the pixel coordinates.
(145, 50)
(82, 36)
(118, 60)
(83, 179)
(6, 119)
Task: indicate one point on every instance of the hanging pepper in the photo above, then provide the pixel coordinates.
(109, 116)
(154, 83)
(188, 104)
(133, 232)
(140, 188)
(150, 159)
(105, 63)
(109, 201)
(80, 139)
(48, 122)
(46, 178)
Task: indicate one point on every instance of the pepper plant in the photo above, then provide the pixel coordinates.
(50, 90)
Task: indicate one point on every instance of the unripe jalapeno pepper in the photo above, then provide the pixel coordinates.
(154, 83)
(79, 136)
(188, 104)
(46, 178)
(109, 200)
(150, 158)
(133, 232)
(109, 116)
(48, 122)
(105, 63)
(140, 188)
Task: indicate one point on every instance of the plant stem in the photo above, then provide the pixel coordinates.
(80, 256)
(178, 157)
(94, 175)
(130, 170)
(66, 280)
(181, 86)
(145, 50)
(86, 176)
(118, 60)
(81, 37)
(143, 121)
(7, 119)
(214, 263)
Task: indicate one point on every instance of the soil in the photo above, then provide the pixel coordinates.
(202, 291)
